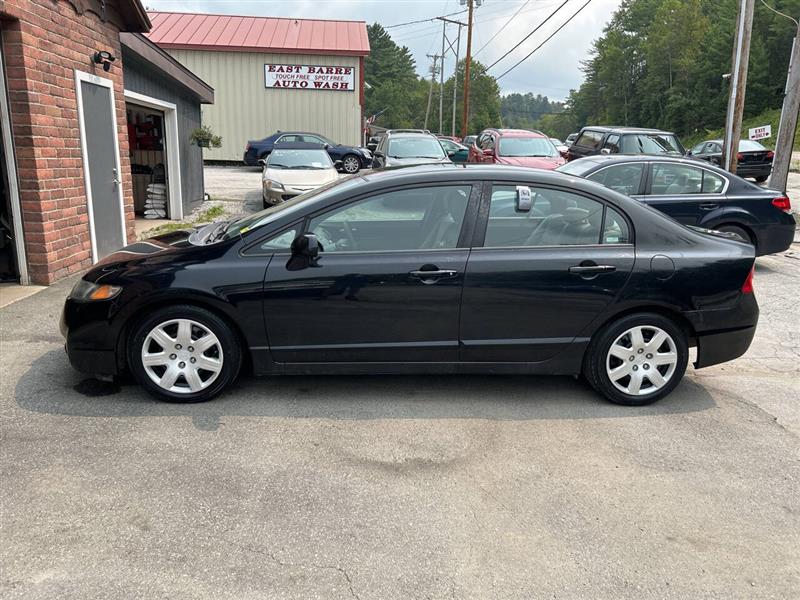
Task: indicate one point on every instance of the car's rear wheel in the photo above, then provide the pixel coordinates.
(184, 354)
(740, 231)
(762, 178)
(351, 164)
(638, 359)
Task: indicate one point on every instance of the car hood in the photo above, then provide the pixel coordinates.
(301, 178)
(536, 162)
(168, 243)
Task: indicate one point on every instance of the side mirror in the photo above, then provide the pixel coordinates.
(305, 252)
(605, 151)
(337, 164)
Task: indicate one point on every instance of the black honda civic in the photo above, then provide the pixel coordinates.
(432, 269)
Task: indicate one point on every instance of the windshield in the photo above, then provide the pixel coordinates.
(415, 147)
(299, 159)
(650, 143)
(521, 146)
(256, 220)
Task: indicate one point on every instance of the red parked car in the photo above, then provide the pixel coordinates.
(518, 147)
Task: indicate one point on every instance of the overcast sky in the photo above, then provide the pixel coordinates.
(552, 71)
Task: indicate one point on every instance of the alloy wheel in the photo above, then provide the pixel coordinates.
(350, 164)
(642, 360)
(182, 356)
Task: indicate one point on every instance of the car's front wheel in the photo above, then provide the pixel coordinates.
(637, 359)
(351, 164)
(184, 354)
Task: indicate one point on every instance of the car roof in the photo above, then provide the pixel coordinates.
(299, 146)
(280, 133)
(411, 134)
(517, 132)
(622, 130)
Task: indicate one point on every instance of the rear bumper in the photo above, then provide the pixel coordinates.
(775, 237)
(716, 348)
(250, 159)
(757, 170)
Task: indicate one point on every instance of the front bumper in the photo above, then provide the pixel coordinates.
(276, 196)
(90, 342)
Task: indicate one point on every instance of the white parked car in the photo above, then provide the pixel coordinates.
(294, 169)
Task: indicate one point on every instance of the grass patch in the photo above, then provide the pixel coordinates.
(769, 117)
(207, 216)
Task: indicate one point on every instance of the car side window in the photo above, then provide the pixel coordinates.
(280, 241)
(712, 183)
(589, 139)
(625, 178)
(612, 143)
(700, 148)
(556, 218)
(422, 218)
(313, 139)
(675, 179)
(615, 228)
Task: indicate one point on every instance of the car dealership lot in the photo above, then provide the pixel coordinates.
(396, 487)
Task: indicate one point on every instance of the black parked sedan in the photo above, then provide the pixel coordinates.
(432, 269)
(753, 159)
(697, 194)
(352, 159)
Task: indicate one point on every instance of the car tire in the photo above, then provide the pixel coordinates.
(762, 178)
(740, 231)
(167, 344)
(351, 164)
(624, 356)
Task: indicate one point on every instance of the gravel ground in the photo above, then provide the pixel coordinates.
(402, 487)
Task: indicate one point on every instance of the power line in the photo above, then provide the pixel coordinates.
(539, 26)
(575, 14)
(503, 27)
(460, 12)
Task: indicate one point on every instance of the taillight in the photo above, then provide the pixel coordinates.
(747, 287)
(770, 155)
(739, 156)
(783, 203)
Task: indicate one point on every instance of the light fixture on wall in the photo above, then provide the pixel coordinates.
(105, 58)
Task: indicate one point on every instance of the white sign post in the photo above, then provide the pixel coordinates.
(309, 77)
(760, 133)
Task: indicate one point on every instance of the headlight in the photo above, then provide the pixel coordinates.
(273, 185)
(87, 291)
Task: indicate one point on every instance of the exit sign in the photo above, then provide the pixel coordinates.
(759, 133)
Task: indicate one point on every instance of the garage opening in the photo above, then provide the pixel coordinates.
(9, 271)
(149, 166)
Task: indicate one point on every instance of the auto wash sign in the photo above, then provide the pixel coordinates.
(309, 77)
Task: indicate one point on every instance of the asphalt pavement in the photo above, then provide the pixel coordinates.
(402, 487)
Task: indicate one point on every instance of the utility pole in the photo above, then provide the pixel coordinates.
(455, 81)
(788, 124)
(441, 79)
(435, 59)
(741, 58)
(464, 116)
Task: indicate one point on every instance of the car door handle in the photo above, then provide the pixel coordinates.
(709, 206)
(592, 269)
(432, 276)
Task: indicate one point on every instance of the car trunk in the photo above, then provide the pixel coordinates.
(754, 157)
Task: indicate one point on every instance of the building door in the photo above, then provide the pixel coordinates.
(101, 163)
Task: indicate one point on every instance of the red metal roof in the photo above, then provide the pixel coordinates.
(261, 34)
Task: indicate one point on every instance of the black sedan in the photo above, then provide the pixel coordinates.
(352, 159)
(431, 269)
(753, 159)
(697, 194)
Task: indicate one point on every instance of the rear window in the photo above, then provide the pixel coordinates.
(750, 146)
(650, 143)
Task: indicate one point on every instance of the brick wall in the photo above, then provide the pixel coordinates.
(44, 43)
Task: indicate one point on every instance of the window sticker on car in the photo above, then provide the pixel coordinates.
(524, 202)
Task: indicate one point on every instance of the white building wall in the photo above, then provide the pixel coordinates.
(244, 109)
